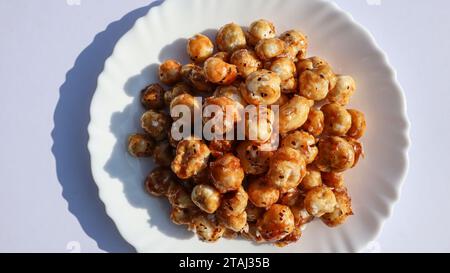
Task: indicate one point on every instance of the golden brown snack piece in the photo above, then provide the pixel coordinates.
(227, 173)
(219, 72)
(170, 72)
(158, 181)
(230, 37)
(219, 148)
(293, 237)
(286, 169)
(254, 160)
(313, 85)
(156, 124)
(259, 30)
(343, 90)
(358, 127)
(357, 148)
(333, 180)
(140, 145)
(206, 197)
(233, 222)
(180, 216)
(259, 124)
(179, 89)
(245, 61)
(315, 122)
(337, 120)
(152, 96)
(207, 228)
(235, 202)
(276, 223)
(195, 76)
(261, 87)
(341, 212)
(232, 92)
(302, 142)
(294, 114)
(253, 212)
(199, 48)
(187, 100)
(335, 155)
(190, 159)
(179, 196)
(268, 49)
(261, 194)
(320, 200)
(223, 55)
(311, 180)
(295, 201)
(296, 44)
(286, 70)
(221, 113)
(163, 154)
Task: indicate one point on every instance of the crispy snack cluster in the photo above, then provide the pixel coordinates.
(226, 188)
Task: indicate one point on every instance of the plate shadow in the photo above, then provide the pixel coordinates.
(70, 136)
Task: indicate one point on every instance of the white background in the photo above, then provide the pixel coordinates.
(48, 201)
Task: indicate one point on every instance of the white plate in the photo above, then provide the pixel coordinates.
(144, 222)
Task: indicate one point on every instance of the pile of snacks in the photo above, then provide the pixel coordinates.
(227, 188)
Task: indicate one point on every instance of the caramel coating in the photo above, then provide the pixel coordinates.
(207, 228)
(163, 154)
(219, 148)
(261, 194)
(206, 197)
(286, 170)
(227, 173)
(313, 85)
(223, 55)
(259, 124)
(268, 49)
(231, 92)
(191, 158)
(219, 72)
(253, 212)
(253, 159)
(293, 114)
(295, 201)
(259, 30)
(358, 127)
(337, 120)
(179, 197)
(343, 90)
(235, 202)
(195, 76)
(341, 212)
(156, 124)
(170, 72)
(224, 108)
(199, 48)
(158, 181)
(230, 37)
(302, 142)
(180, 216)
(245, 61)
(311, 180)
(261, 87)
(152, 96)
(276, 223)
(140, 145)
(335, 155)
(333, 180)
(184, 99)
(314, 123)
(233, 222)
(320, 200)
(296, 44)
(286, 70)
